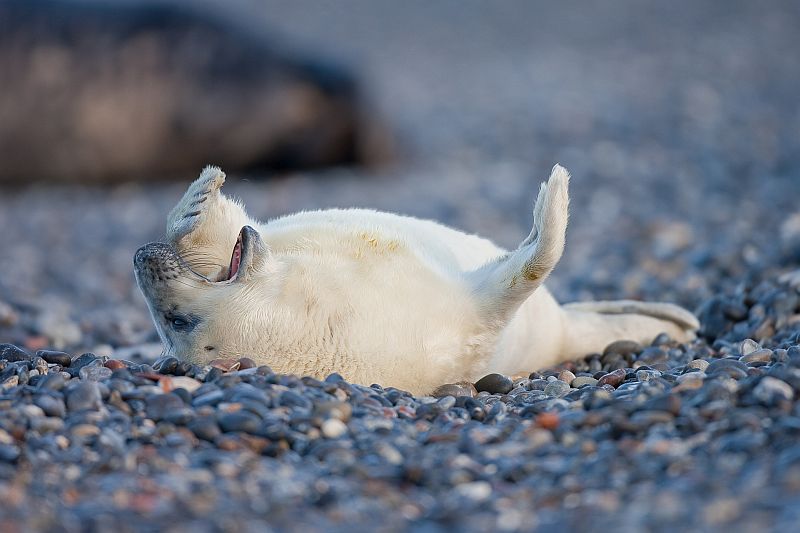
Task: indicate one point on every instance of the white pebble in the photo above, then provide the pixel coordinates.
(333, 428)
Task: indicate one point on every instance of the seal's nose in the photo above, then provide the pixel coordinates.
(154, 251)
(140, 256)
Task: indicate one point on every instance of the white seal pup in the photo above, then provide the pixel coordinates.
(376, 297)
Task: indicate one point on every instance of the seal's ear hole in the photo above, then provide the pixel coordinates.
(209, 348)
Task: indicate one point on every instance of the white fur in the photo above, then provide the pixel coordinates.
(388, 299)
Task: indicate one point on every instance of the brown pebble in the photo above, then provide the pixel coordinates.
(547, 420)
(226, 365)
(152, 376)
(614, 378)
(114, 364)
(166, 384)
(245, 363)
(566, 376)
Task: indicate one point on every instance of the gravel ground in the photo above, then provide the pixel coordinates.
(680, 125)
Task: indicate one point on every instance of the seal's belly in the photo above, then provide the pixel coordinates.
(373, 309)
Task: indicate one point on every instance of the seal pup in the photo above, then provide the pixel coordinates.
(376, 297)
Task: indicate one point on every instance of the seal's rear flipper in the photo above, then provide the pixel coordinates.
(501, 285)
(591, 326)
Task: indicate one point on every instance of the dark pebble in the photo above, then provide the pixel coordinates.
(13, 353)
(85, 395)
(246, 363)
(205, 427)
(209, 398)
(9, 453)
(718, 364)
(166, 365)
(623, 347)
(243, 421)
(495, 384)
(82, 361)
(55, 358)
(652, 355)
(159, 406)
(51, 405)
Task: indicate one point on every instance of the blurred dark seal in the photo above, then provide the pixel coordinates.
(100, 92)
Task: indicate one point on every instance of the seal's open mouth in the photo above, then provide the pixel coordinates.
(236, 258)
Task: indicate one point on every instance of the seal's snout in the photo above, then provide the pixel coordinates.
(155, 262)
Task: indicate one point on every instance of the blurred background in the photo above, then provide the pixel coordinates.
(679, 121)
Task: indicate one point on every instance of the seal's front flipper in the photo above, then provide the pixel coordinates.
(202, 196)
(502, 285)
(204, 226)
(591, 326)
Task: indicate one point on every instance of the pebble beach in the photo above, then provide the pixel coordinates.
(680, 127)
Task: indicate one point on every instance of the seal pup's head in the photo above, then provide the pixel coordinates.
(187, 307)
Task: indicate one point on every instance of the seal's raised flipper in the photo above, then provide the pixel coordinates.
(591, 326)
(204, 225)
(201, 197)
(501, 286)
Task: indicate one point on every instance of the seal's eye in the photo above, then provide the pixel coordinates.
(180, 322)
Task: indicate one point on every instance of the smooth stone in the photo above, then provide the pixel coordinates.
(166, 365)
(652, 355)
(748, 346)
(95, 373)
(762, 355)
(50, 405)
(614, 378)
(55, 358)
(334, 378)
(85, 395)
(181, 416)
(205, 427)
(566, 376)
(159, 406)
(290, 398)
(623, 347)
(241, 421)
(213, 374)
(446, 403)
(9, 453)
(494, 384)
(54, 382)
(334, 409)
(700, 364)
(455, 389)
(187, 383)
(770, 388)
(647, 375)
(83, 360)
(333, 428)
(719, 364)
(12, 353)
(580, 381)
(556, 389)
(115, 364)
(690, 376)
(209, 398)
(537, 384)
(246, 363)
